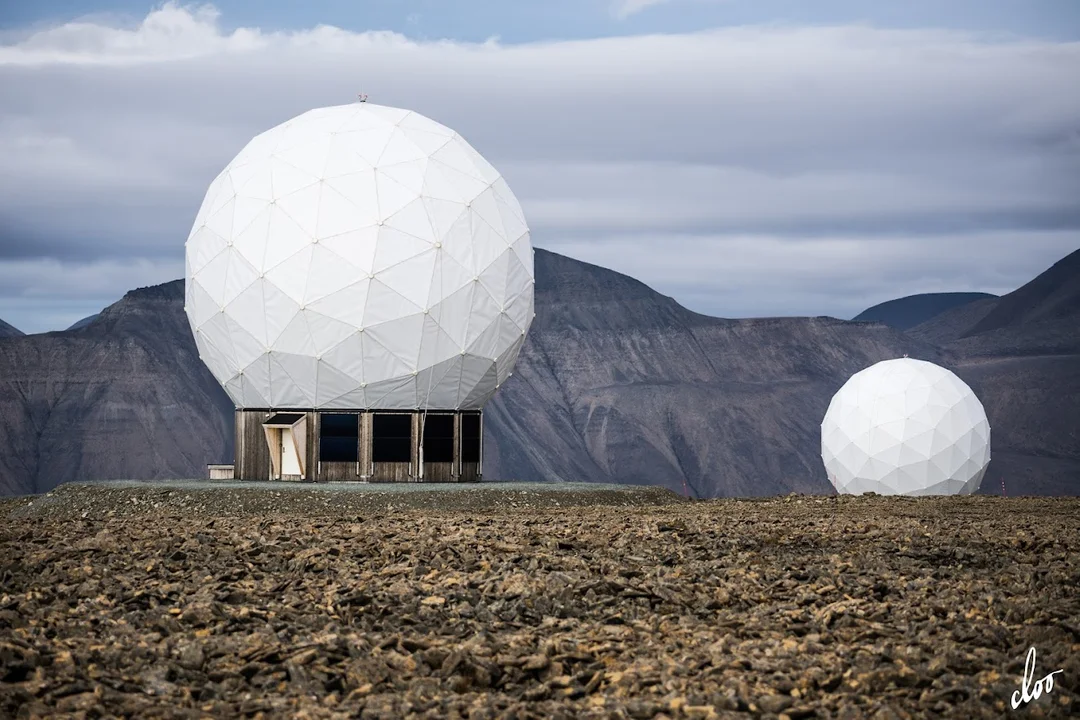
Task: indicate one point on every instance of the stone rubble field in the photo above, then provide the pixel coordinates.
(151, 602)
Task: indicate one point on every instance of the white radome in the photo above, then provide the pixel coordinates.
(359, 257)
(905, 427)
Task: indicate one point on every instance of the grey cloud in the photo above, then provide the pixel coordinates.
(795, 135)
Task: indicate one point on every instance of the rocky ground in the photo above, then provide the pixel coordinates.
(153, 602)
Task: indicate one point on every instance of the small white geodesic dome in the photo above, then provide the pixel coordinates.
(905, 427)
(359, 257)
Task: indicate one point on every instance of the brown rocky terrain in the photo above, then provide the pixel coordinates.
(174, 602)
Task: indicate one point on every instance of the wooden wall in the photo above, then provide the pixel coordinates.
(253, 456)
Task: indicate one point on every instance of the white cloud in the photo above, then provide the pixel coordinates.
(618, 148)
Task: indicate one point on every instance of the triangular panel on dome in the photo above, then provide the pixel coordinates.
(454, 155)
(203, 246)
(239, 276)
(326, 332)
(245, 346)
(221, 220)
(487, 244)
(253, 180)
(256, 376)
(287, 371)
(348, 357)
(280, 311)
(380, 363)
(392, 195)
(393, 394)
(439, 186)
(402, 338)
(384, 305)
(416, 121)
(486, 208)
(339, 213)
(295, 339)
(443, 214)
(428, 142)
(302, 206)
(448, 277)
(216, 359)
(400, 149)
(493, 277)
(410, 174)
(453, 313)
(367, 144)
(437, 385)
(485, 312)
(436, 345)
(215, 332)
(251, 239)
(391, 115)
(200, 306)
(347, 304)
(361, 119)
(411, 278)
(328, 273)
(466, 186)
(458, 244)
(394, 247)
(356, 247)
(483, 168)
(212, 276)
(309, 156)
(284, 239)
(344, 161)
(248, 310)
(332, 384)
(478, 381)
(413, 220)
(287, 179)
(290, 275)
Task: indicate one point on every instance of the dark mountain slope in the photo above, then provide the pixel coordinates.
(7, 331)
(907, 312)
(616, 382)
(643, 391)
(1021, 355)
(952, 324)
(125, 398)
(84, 322)
(1054, 295)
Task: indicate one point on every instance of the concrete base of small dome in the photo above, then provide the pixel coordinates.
(360, 446)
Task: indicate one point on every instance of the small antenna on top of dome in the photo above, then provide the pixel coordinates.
(362, 97)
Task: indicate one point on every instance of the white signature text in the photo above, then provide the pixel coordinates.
(1028, 691)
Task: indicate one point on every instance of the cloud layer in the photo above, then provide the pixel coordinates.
(745, 171)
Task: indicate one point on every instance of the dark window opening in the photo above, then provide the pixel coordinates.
(438, 438)
(392, 438)
(339, 438)
(470, 438)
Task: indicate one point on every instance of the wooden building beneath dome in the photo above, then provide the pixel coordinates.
(359, 446)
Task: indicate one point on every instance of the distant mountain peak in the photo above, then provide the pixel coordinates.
(7, 330)
(907, 312)
(1053, 295)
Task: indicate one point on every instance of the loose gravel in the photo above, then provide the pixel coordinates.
(153, 601)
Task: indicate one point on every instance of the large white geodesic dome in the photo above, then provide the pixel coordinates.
(905, 427)
(355, 257)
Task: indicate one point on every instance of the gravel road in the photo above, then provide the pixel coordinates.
(147, 601)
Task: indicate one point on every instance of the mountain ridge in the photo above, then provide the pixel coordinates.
(907, 312)
(615, 383)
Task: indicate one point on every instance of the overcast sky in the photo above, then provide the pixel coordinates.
(748, 157)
